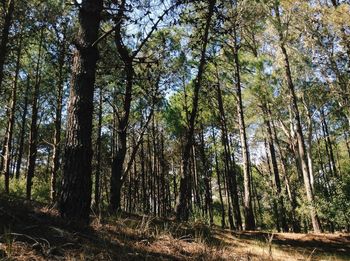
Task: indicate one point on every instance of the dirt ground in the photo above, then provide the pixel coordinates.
(32, 231)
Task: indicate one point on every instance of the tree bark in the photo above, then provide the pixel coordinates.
(5, 37)
(75, 198)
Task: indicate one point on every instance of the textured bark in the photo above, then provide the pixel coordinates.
(5, 38)
(75, 198)
(182, 208)
(33, 136)
(11, 119)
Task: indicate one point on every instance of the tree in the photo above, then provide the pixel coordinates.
(182, 208)
(75, 197)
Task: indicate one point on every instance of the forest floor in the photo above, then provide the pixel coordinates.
(32, 231)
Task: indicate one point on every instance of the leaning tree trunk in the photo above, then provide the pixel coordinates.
(5, 37)
(182, 208)
(33, 136)
(299, 134)
(75, 198)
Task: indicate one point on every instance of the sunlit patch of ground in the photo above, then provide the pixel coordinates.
(30, 231)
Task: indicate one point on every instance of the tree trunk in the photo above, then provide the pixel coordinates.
(23, 130)
(182, 208)
(58, 118)
(75, 198)
(248, 210)
(229, 165)
(5, 37)
(299, 134)
(99, 153)
(273, 160)
(33, 136)
(117, 177)
(11, 119)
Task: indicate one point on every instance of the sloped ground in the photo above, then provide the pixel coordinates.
(30, 231)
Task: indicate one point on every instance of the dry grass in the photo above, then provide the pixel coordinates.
(33, 232)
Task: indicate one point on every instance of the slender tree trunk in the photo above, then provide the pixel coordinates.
(273, 160)
(218, 175)
(248, 210)
(23, 130)
(290, 192)
(207, 180)
(182, 208)
(271, 183)
(328, 144)
(99, 153)
(5, 38)
(58, 118)
(300, 138)
(117, 177)
(11, 119)
(229, 165)
(75, 198)
(33, 136)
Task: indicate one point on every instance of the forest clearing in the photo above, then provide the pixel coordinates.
(175, 130)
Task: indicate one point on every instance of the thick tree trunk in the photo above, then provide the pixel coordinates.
(5, 37)
(11, 119)
(182, 208)
(33, 136)
(75, 198)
